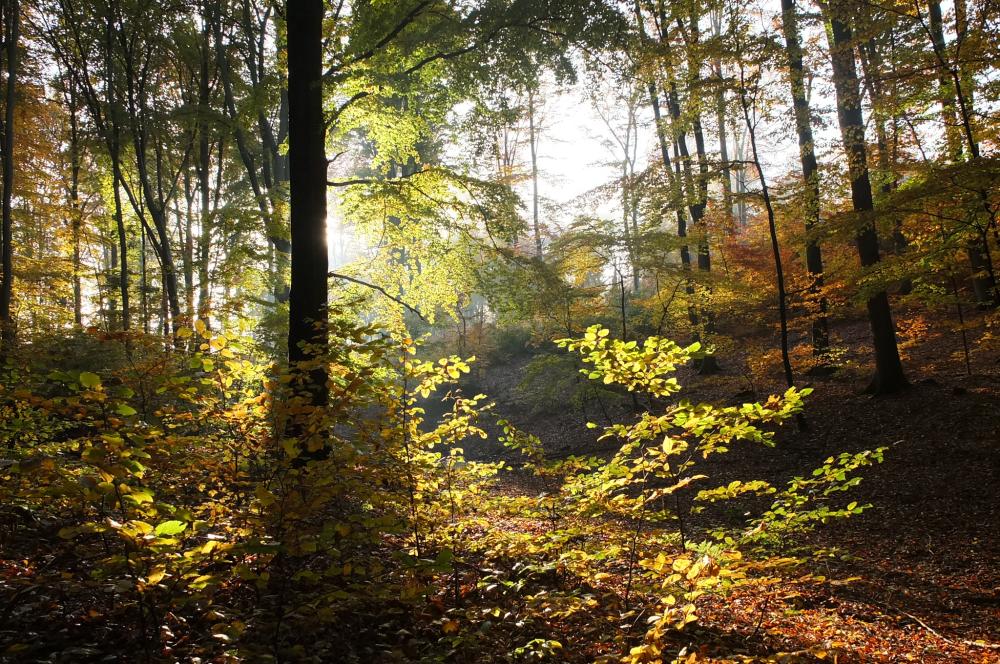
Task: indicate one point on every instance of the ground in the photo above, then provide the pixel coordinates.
(917, 577)
(914, 578)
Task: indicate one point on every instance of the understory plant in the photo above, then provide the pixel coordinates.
(199, 505)
(635, 521)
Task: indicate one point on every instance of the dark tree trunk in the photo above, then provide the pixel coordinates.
(984, 284)
(76, 214)
(11, 34)
(871, 64)
(889, 375)
(185, 228)
(307, 324)
(779, 273)
(810, 174)
(697, 188)
(946, 92)
(122, 234)
(533, 142)
(676, 197)
(203, 169)
(720, 116)
(267, 184)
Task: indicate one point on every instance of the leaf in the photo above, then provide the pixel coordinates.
(156, 575)
(125, 410)
(140, 496)
(168, 528)
(450, 626)
(89, 380)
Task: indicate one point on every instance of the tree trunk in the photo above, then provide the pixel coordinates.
(889, 375)
(946, 92)
(203, 171)
(143, 279)
(307, 324)
(122, 240)
(185, 228)
(984, 284)
(275, 169)
(75, 213)
(677, 198)
(533, 142)
(810, 175)
(720, 116)
(779, 274)
(697, 188)
(12, 29)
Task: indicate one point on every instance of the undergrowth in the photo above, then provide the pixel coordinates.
(159, 505)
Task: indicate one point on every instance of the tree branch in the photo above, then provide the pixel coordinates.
(337, 275)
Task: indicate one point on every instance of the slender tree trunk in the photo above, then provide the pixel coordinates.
(76, 214)
(699, 203)
(533, 143)
(661, 136)
(677, 198)
(185, 226)
(984, 283)
(11, 34)
(871, 64)
(143, 278)
(946, 91)
(720, 116)
(717, 16)
(779, 273)
(810, 175)
(123, 278)
(307, 325)
(889, 375)
(268, 195)
(697, 188)
(112, 302)
(203, 171)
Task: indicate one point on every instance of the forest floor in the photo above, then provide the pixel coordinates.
(917, 576)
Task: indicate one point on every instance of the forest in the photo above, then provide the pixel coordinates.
(375, 331)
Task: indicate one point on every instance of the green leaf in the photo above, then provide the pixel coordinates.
(125, 410)
(140, 496)
(168, 528)
(89, 380)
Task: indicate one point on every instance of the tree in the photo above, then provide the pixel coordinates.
(307, 301)
(10, 16)
(889, 375)
(950, 87)
(810, 172)
(749, 92)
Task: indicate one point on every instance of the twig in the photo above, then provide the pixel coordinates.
(395, 299)
(918, 621)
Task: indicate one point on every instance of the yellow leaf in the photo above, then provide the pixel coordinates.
(450, 626)
(156, 575)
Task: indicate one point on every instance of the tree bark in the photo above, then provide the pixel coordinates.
(203, 171)
(533, 142)
(984, 284)
(75, 213)
(677, 198)
(810, 174)
(12, 30)
(307, 325)
(889, 375)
